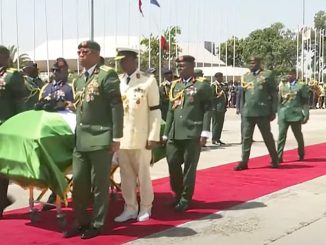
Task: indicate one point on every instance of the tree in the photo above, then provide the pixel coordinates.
(275, 44)
(154, 47)
(23, 58)
(320, 20)
(239, 61)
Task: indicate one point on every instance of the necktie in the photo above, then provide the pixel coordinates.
(86, 75)
(128, 79)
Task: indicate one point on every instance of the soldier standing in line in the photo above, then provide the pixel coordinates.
(141, 132)
(11, 100)
(187, 129)
(99, 128)
(33, 85)
(164, 92)
(259, 105)
(293, 111)
(218, 109)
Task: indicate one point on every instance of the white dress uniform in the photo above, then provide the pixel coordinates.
(142, 118)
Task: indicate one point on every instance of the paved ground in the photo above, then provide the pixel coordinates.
(295, 215)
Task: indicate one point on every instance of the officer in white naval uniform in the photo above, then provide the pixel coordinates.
(141, 131)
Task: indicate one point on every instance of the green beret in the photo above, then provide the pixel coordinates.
(198, 72)
(4, 50)
(90, 44)
(185, 58)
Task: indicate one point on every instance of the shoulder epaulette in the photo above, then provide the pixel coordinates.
(105, 68)
(200, 79)
(11, 70)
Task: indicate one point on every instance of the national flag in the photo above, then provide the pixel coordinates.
(164, 43)
(155, 2)
(139, 7)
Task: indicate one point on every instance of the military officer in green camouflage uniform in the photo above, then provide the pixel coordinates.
(259, 105)
(187, 129)
(164, 92)
(33, 85)
(218, 109)
(99, 128)
(11, 101)
(293, 111)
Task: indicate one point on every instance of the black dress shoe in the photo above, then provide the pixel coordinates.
(182, 206)
(214, 142)
(8, 202)
(275, 165)
(76, 231)
(301, 158)
(90, 233)
(221, 143)
(241, 166)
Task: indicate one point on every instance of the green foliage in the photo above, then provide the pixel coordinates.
(239, 61)
(154, 49)
(23, 58)
(320, 20)
(275, 44)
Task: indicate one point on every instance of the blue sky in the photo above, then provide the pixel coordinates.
(200, 20)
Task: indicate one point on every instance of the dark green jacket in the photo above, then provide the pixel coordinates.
(11, 93)
(259, 94)
(219, 97)
(99, 109)
(293, 102)
(190, 113)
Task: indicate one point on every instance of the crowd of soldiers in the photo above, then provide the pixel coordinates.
(122, 115)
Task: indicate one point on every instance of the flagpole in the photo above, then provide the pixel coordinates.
(323, 53)
(116, 33)
(17, 37)
(1, 27)
(47, 40)
(315, 56)
(129, 23)
(233, 59)
(150, 37)
(298, 40)
(62, 30)
(77, 32)
(160, 49)
(92, 20)
(226, 60)
(139, 25)
(170, 29)
(34, 31)
(302, 56)
(104, 30)
(319, 56)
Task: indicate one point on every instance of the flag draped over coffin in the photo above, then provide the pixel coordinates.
(36, 149)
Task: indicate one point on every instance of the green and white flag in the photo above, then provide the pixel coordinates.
(36, 148)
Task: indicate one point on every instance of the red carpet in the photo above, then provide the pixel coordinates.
(217, 188)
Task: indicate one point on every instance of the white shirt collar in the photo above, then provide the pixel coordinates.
(131, 76)
(90, 70)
